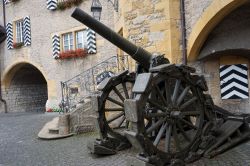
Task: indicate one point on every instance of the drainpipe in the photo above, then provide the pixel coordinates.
(1, 97)
(4, 14)
(183, 32)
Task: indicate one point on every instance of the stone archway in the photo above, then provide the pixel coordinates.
(26, 90)
(208, 20)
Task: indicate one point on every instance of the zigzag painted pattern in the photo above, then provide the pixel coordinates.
(27, 31)
(51, 4)
(9, 30)
(6, 2)
(234, 81)
(56, 46)
(91, 41)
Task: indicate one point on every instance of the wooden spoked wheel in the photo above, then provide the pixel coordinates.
(173, 113)
(111, 114)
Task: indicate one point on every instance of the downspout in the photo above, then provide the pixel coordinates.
(1, 97)
(4, 14)
(183, 33)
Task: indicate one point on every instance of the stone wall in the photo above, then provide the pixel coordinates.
(210, 69)
(26, 98)
(218, 42)
(27, 91)
(153, 25)
(226, 45)
(83, 118)
(45, 23)
(193, 11)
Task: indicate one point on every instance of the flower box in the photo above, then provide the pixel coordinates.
(73, 54)
(17, 45)
(61, 5)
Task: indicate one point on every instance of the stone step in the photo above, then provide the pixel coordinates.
(54, 130)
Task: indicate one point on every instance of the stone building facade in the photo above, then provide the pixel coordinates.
(30, 74)
(216, 38)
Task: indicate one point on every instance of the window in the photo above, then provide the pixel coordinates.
(74, 40)
(68, 41)
(81, 39)
(19, 31)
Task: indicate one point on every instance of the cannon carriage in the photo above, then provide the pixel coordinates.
(162, 109)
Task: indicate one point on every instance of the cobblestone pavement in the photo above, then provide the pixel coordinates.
(19, 146)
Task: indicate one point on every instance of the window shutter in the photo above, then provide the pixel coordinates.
(6, 1)
(91, 41)
(51, 4)
(56, 46)
(9, 30)
(27, 32)
(234, 81)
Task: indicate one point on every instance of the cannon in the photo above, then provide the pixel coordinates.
(162, 109)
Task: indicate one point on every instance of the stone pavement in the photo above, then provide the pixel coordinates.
(19, 146)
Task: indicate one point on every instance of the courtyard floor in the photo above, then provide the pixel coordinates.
(19, 145)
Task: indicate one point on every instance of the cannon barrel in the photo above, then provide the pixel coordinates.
(140, 55)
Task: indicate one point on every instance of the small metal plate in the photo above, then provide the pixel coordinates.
(142, 82)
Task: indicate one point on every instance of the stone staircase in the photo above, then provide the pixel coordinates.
(80, 120)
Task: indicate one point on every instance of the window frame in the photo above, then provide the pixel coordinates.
(75, 40)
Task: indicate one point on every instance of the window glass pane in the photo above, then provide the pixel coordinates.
(68, 41)
(71, 41)
(19, 31)
(81, 39)
(65, 42)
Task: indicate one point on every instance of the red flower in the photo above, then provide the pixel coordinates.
(73, 53)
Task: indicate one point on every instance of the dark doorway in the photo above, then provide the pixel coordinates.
(27, 91)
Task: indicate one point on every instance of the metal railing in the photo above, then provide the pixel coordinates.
(83, 85)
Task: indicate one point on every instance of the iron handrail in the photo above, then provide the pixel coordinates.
(76, 89)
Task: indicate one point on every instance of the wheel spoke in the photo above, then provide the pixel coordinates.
(161, 96)
(183, 132)
(183, 94)
(168, 137)
(155, 125)
(168, 93)
(115, 117)
(155, 104)
(125, 90)
(154, 115)
(176, 90)
(160, 133)
(123, 119)
(118, 93)
(188, 103)
(191, 113)
(113, 109)
(189, 124)
(115, 101)
(176, 139)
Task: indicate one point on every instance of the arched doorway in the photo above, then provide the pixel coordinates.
(27, 89)
(224, 59)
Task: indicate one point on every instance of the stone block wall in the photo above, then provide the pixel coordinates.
(83, 118)
(193, 11)
(153, 25)
(26, 98)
